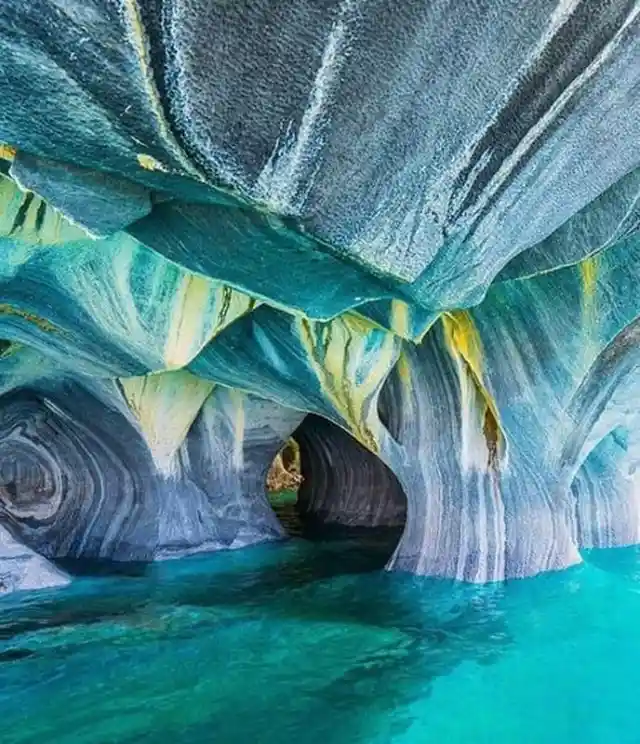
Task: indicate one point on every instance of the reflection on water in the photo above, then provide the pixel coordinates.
(312, 642)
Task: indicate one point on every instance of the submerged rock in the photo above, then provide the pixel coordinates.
(23, 569)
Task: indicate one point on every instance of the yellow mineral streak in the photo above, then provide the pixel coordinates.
(465, 346)
(189, 312)
(42, 323)
(26, 217)
(400, 319)
(589, 270)
(201, 309)
(404, 370)
(139, 40)
(148, 162)
(348, 374)
(589, 273)
(462, 337)
(165, 405)
(7, 152)
(589, 278)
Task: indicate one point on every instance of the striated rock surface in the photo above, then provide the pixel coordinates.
(343, 482)
(417, 223)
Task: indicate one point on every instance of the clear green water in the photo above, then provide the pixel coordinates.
(310, 643)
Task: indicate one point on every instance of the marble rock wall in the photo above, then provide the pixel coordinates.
(82, 476)
(417, 222)
(514, 426)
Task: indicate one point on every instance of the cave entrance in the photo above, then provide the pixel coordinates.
(283, 483)
(324, 485)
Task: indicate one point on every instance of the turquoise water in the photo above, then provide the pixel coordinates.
(311, 643)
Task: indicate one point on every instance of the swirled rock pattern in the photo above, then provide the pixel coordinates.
(417, 222)
(80, 477)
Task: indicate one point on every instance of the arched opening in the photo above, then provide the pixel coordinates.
(324, 485)
(284, 480)
(606, 493)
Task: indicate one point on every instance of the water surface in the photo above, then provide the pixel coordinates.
(312, 643)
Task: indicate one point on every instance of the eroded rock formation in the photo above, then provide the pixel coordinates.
(343, 482)
(415, 222)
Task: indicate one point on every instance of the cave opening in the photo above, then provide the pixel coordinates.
(284, 480)
(324, 486)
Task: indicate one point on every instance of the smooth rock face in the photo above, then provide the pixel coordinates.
(417, 222)
(425, 146)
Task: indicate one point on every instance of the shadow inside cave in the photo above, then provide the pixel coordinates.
(337, 491)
